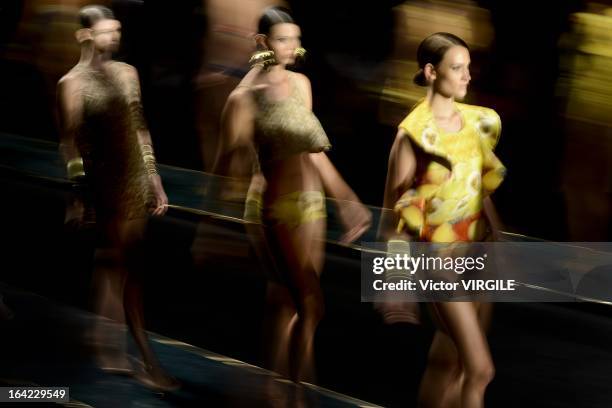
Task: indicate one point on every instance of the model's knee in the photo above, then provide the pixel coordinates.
(481, 374)
(312, 310)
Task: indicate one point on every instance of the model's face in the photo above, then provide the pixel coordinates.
(106, 35)
(283, 39)
(453, 73)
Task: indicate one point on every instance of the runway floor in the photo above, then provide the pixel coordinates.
(46, 344)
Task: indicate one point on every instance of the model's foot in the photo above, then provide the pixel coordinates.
(110, 349)
(118, 365)
(155, 378)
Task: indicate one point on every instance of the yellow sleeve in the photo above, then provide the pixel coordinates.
(493, 170)
(489, 127)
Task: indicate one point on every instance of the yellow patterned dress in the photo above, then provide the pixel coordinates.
(459, 170)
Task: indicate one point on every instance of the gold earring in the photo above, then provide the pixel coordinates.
(300, 52)
(263, 59)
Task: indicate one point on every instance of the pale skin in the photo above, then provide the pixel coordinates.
(118, 293)
(293, 315)
(460, 364)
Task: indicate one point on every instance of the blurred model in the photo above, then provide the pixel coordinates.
(268, 127)
(231, 25)
(107, 146)
(441, 171)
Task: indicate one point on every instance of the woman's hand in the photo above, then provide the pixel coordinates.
(159, 202)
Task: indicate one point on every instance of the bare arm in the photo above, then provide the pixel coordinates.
(353, 214)
(400, 175)
(237, 158)
(333, 183)
(356, 217)
(236, 155)
(401, 169)
(70, 116)
(70, 110)
(493, 218)
(130, 77)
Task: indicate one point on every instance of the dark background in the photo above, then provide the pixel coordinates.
(348, 43)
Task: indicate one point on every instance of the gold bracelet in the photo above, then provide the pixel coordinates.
(253, 206)
(150, 166)
(264, 59)
(149, 159)
(146, 148)
(75, 168)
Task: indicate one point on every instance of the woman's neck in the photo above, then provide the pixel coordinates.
(441, 107)
(276, 74)
(93, 58)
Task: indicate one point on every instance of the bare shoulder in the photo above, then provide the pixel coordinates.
(301, 78)
(302, 81)
(402, 136)
(70, 82)
(240, 98)
(402, 141)
(70, 76)
(123, 68)
(125, 72)
(239, 95)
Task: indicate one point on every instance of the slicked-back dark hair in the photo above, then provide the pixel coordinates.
(432, 50)
(272, 16)
(90, 15)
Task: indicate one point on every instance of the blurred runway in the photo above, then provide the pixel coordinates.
(204, 287)
(45, 344)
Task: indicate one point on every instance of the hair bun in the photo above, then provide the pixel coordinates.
(419, 78)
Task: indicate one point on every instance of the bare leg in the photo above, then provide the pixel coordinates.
(108, 282)
(440, 382)
(459, 359)
(278, 326)
(153, 375)
(280, 313)
(303, 251)
(279, 322)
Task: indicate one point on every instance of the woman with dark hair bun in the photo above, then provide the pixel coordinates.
(268, 120)
(441, 172)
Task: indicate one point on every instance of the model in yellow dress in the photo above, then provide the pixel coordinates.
(447, 201)
(441, 171)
